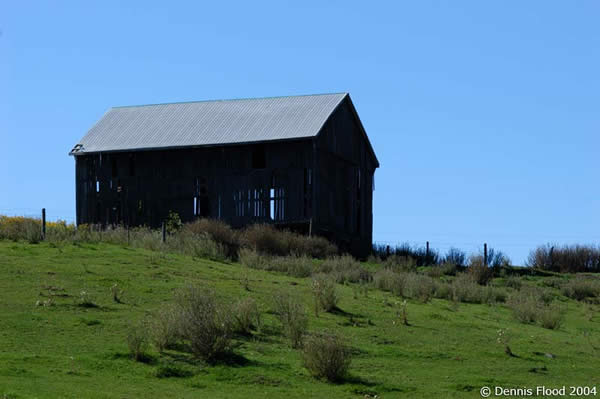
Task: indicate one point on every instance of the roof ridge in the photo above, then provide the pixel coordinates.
(229, 99)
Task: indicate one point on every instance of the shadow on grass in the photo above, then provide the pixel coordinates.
(340, 312)
(230, 359)
(171, 371)
(145, 358)
(354, 379)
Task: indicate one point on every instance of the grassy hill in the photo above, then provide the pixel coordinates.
(449, 349)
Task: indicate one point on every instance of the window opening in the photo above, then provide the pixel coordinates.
(259, 158)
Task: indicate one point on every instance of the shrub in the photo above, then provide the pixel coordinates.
(554, 282)
(478, 271)
(204, 322)
(196, 245)
(566, 258)
(388, 280)
(20, 228)
(531, 305)
(581, 288)
(165, 328)
(419, 255)
(345, 269)
(252, 259)
(513, 282)
(434, 272)
(323, 288)
(293, 265)
(465, 289)
(448, 269)
(246, 316)
(60, 231)
(220, 232)
(267, 240)
(326, 356)
(400, 263)
(550, 317)
(525, 305)
(311, 246)
(137, 341)
(173, 223)
(292, 315)
(456, 257)
(497, 259)
(264, 239)
(419, 287)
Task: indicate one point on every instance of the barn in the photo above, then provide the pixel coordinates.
(300, 162)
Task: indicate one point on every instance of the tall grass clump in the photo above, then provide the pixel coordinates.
(204, 322)
(324, 292)
(400, 263)
(267, 240)
(252, 259)
(418, 286)
(293, 265)
(246, 316)
(326, 356)
(465, 288)
(388, 280)
(137, 341)
(532, 305)
(513, 282)
(345, 269)
(292, 314)
(197, 245)
(581, 288)
(165, 328)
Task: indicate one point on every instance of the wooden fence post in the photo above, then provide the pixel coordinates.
(43, 223)
(164, 232)
(485, 259)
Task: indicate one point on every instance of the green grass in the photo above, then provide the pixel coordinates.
(70, 351)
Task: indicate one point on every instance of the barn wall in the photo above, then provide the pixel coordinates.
(345, 180)
(237, 184)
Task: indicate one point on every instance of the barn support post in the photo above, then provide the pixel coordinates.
(164, 232)
(485, 258)
(310, 228)
(43, 223)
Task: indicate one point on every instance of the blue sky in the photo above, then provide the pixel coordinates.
(484, 115)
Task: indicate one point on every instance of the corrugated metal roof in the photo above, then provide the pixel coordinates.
(209, 123)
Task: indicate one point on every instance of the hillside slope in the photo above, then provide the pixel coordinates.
(448, 350)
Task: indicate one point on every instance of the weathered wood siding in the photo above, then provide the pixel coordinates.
(140, 188)
(345, 180)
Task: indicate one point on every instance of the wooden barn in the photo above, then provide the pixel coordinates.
(301, 162)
